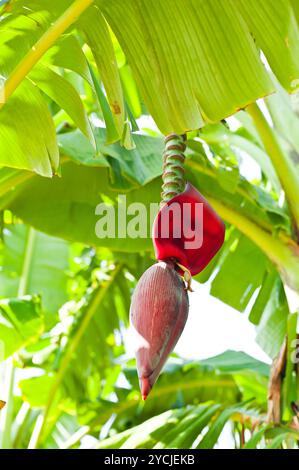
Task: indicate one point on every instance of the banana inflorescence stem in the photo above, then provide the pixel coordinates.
(173, 178)
(173, 167)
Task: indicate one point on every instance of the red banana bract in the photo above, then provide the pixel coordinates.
(188, 230)
(159, 310)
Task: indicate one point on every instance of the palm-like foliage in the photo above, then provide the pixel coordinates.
(76, 76)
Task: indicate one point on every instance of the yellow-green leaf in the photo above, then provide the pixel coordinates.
(193, 60)
(27, 133)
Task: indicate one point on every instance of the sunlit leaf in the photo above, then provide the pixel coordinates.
(65, 95)
(27, 134)
(180, 88)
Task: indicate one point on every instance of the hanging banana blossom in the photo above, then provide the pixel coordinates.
(187, 233)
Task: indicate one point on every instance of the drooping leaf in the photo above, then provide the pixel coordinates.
(180, 88)
(98, 38)
(276, 32)
(112, 133)
(27, 133)
(130, 91)
(68, 54)
(182, 383)
(65, 95)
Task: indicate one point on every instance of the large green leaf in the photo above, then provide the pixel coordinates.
(185, 382)
(64, 94)
(274, 27)
(21, 322)
(188, 78)
(27, 133)
(78, 148)
(22, 27)
(66, 206)
(139, 166)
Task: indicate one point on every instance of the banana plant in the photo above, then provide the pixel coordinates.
(77, 78)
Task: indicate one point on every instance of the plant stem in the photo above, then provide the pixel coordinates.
(7, 413)
(98, 296)
(173, 167)
(42, 45)
(285, 169)
(275, 385)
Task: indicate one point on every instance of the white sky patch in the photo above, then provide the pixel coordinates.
(248, 168)
(233, 123)
(147, 122)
